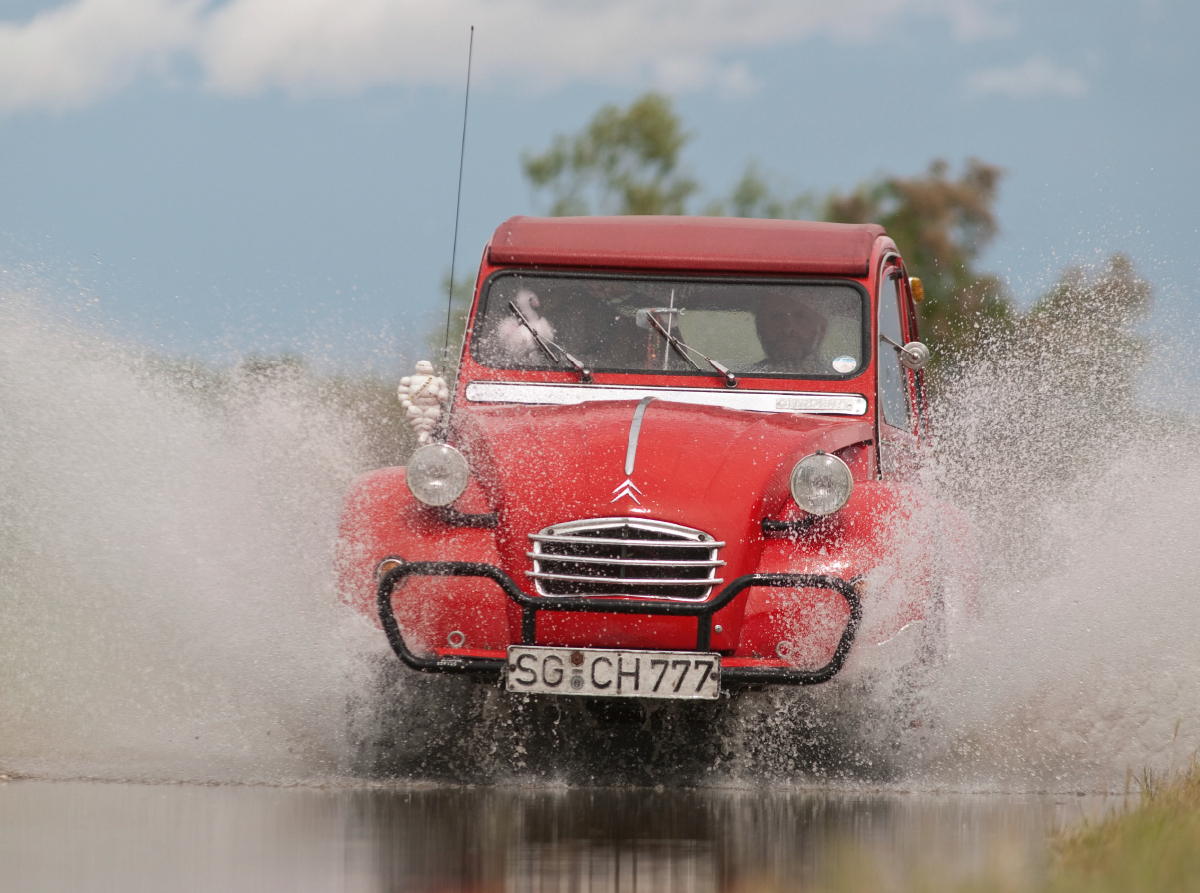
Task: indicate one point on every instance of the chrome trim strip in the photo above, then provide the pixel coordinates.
(634, 430)
(701, 583)
(624, 562)
(536, 393)
(599, 541)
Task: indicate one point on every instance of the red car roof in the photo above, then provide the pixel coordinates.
(687, 243)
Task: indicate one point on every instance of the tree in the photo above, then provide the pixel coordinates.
(625, 162)
(754, 196)
(1045, 404)
(622, 162)
(941, 225)
(1085, 326)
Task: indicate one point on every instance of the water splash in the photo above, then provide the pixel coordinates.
(167, 609)
(1087, 508)
(167, 606)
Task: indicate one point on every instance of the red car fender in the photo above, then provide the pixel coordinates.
(438, 615)
(859, 544)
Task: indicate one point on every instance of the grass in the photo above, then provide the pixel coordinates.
(1155, 846)
(1152, 846)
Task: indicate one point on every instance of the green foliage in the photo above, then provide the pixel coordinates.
(941, 225)
(1151, 848)
(623, 162)
(1055, 386)
(1082, 336)
(755, 196)
(1094, 320)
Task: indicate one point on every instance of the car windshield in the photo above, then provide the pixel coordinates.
(805, 329)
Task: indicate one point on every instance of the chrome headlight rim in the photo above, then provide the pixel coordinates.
(437, 474)
(838, 477)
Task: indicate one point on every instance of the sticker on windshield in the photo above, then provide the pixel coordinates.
(844, 364)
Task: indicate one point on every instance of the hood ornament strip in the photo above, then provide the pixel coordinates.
(634, 430)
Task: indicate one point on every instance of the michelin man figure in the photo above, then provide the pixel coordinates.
(422, 395)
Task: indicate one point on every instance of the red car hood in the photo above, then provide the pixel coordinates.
(713, 469)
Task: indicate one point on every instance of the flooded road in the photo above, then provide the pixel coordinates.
(84, 836)
(168, 615)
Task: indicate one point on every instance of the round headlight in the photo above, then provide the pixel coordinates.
(437, 474)
(821, 484)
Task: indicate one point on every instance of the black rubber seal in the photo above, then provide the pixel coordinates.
(798, 526)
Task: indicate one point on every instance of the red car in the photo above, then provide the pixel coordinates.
(680, 455)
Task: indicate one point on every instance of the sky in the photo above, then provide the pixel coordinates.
(212, 179)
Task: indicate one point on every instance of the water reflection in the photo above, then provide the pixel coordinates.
(128, 837)
(671, 866)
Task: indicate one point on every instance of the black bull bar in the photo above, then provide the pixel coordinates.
(530, 606)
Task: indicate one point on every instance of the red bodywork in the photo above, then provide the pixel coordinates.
(710, 468)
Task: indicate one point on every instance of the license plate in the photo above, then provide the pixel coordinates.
(613, 674)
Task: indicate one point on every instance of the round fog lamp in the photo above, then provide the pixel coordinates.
(821, 484)
(437, 474)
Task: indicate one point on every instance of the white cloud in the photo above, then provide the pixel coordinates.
(323, 45)
(89, 48)
(71, 55)
(1036, 76)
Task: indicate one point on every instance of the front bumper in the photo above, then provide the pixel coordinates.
(531, 605)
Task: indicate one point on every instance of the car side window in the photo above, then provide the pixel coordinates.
(893, 382)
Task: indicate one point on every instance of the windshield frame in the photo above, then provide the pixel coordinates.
(485, 292)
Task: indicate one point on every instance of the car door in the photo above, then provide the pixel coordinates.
(900, 403)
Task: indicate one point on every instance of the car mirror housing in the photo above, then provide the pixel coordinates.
(914, 356)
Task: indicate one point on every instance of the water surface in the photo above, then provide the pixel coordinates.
(85, 836)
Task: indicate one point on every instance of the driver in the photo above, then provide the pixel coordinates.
(790, 333)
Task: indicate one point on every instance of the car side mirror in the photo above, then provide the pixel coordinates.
(914, 356)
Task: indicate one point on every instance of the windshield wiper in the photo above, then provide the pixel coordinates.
(585, 374)
(680, 348)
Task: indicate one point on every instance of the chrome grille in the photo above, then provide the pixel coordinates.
(624, 556)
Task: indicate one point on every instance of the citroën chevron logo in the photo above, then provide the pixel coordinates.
(628, 488)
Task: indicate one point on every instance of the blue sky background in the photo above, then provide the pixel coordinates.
(265, 175)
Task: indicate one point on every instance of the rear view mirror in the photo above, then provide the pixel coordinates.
(914, 356)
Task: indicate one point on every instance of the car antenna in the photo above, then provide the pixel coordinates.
(457, 207)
